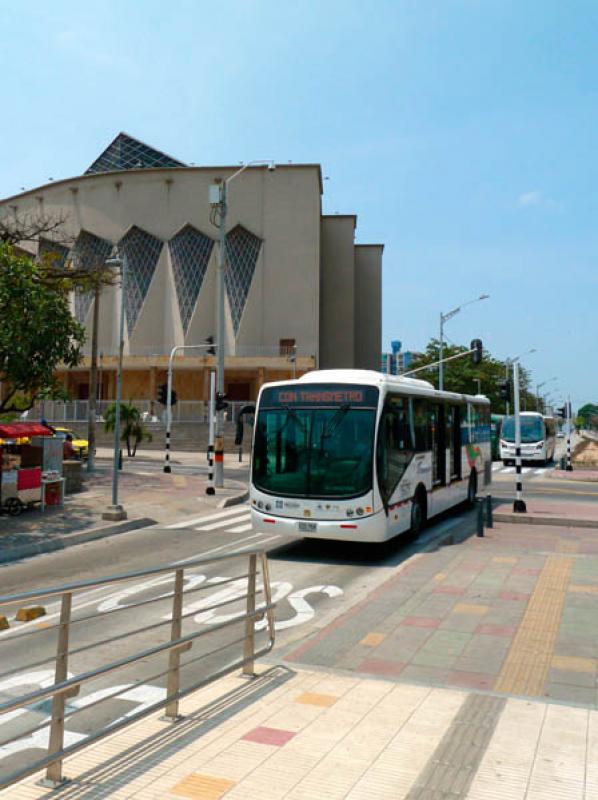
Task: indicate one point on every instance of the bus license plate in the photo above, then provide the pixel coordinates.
(308, 527)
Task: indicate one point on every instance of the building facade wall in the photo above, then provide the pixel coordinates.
(337, 286)
(279, 211)
(368, 306)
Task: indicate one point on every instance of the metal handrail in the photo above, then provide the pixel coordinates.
(65, 687)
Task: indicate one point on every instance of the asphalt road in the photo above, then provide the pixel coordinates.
(312, 583)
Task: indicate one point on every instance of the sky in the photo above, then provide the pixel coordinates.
(461, 132)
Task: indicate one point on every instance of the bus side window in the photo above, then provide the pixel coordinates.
(419, 424)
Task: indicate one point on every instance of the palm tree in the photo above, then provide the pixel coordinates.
(132, 426)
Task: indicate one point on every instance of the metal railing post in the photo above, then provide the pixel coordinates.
(480, 517)
(54, 775)
(489, 517)
(249, 644)
(174, 659)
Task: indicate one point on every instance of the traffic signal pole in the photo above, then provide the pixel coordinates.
(173, 352)
(519, 503)
(569, 467)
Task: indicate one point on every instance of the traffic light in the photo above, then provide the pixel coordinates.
(221, 403)
(561, 412)
(478, 348)
(162, 393)
(211, 351)
(504, 389)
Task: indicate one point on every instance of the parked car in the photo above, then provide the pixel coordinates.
(78, 443)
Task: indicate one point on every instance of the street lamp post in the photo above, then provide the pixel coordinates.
(115, 511)
(538, 387)
(509, 363)
(219, 199)
(445, 318)
(479, 385)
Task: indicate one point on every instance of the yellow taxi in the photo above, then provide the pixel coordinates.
(80, 445)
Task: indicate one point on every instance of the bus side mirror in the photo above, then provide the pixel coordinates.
(250, 410)
(239, 432)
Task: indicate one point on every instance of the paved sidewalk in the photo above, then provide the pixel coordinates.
(577, 474)
(306, 735)
(177, 457)
(148, 497)
(550, 512)
(514, 612)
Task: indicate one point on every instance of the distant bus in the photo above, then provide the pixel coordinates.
(495, 425)
(358, 455)
(538, 438)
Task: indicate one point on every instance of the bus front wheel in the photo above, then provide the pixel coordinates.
(418, 513)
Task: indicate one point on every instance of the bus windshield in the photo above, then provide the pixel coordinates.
(314, 441)
(532, 429)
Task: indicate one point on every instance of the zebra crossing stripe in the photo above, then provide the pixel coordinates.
(227, 512)
(222, 523)
(240, 529)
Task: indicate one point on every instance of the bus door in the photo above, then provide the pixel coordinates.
(453, 438)
(438, 441)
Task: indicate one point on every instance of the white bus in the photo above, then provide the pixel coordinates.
(538, 438)
(363, 456)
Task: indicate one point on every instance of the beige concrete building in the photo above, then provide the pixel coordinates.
(295, 279)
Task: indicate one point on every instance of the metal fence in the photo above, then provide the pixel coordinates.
(76, 411)
(243, 649)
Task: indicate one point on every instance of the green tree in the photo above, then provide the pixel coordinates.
(588, 415)
(37, 331)
(462, 376)
(131, 426)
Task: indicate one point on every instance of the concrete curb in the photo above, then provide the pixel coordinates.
(70, 539)
(563, 522)
(576, 475)
(234, 500)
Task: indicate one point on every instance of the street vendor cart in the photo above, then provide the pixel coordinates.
(21, 465)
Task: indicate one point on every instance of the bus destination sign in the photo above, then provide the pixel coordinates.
(320, 395)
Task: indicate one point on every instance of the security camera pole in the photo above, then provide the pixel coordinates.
(218, 200)
(519, 503)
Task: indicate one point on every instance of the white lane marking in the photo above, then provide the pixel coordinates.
(241, 529)
(15, 631)
(496, 466)
(509, 470)
(227, 512)
(222, 523)
(540, 471)
(525, 470)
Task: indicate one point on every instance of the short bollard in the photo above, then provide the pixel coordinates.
(480, 521)
(489, 518)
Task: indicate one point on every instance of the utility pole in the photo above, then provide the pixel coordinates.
(218, 198)
(220, 334)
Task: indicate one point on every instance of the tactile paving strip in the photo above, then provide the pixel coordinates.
(453, 765)
(528, 661)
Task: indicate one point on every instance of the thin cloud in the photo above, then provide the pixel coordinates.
(533, 198)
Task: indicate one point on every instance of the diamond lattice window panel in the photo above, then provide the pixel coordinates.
(128, 153)
(242, 249)
(54, 250)
(190, 251)
(142, 251)
(89, 252)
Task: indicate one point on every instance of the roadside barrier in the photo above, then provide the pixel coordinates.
(222, 658)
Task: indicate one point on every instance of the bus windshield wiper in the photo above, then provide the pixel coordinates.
(292, 413)
(336, 420)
